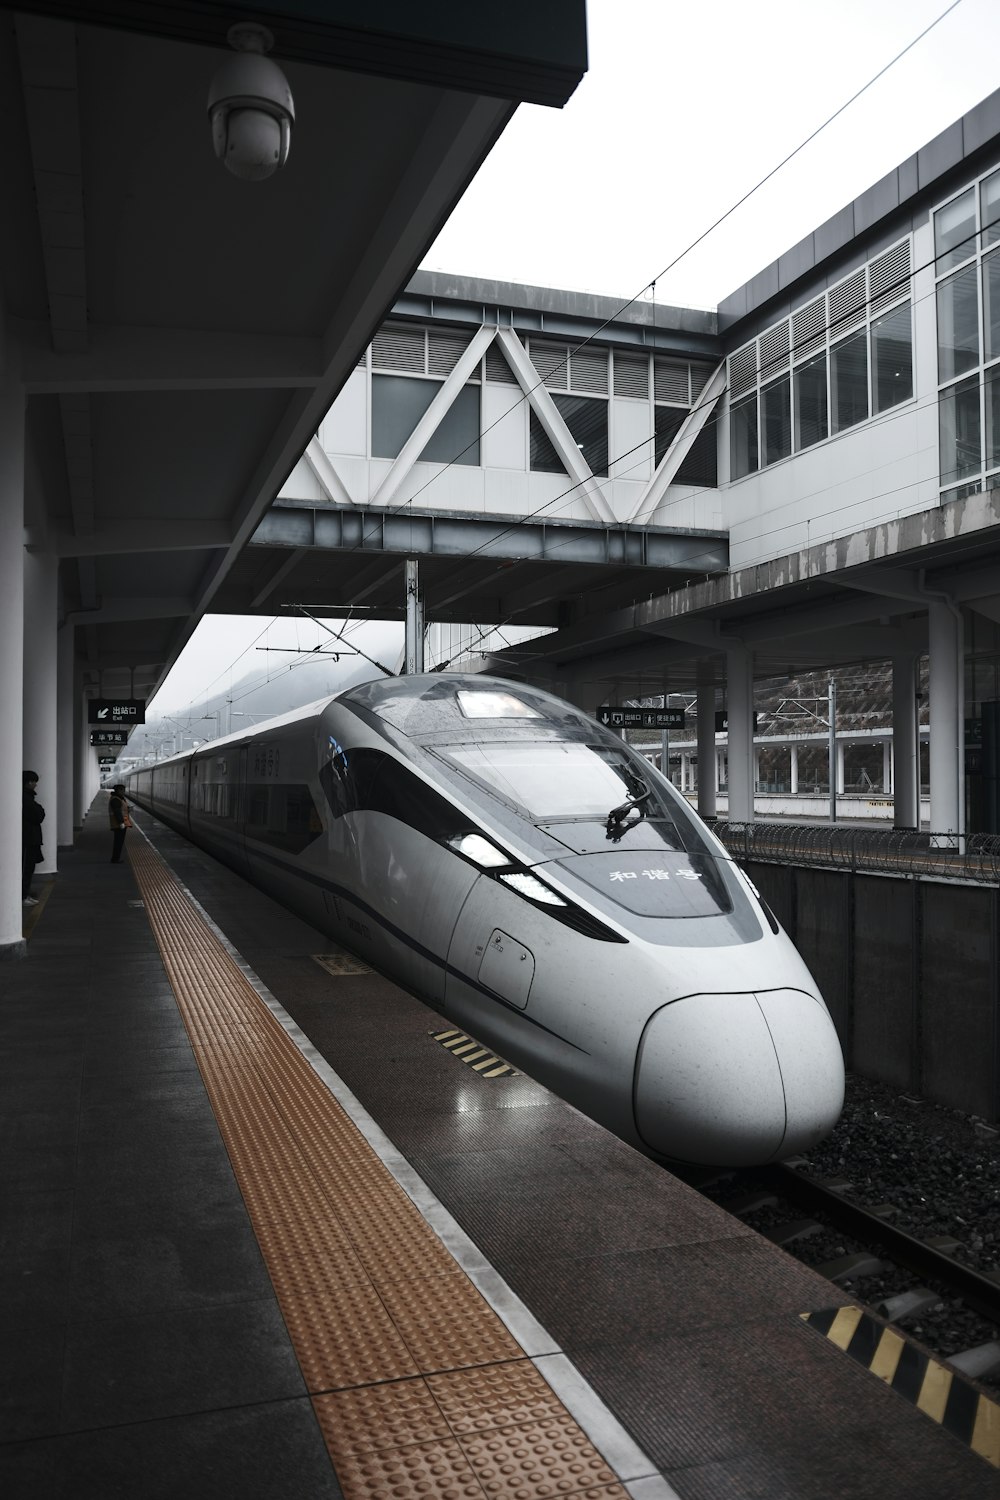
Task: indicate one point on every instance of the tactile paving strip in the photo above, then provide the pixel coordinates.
(418, 1387)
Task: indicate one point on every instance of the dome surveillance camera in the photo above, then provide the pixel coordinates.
(250, 107)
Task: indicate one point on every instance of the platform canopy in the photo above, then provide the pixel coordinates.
(180, 333)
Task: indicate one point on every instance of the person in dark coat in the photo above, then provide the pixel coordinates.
(118, 816)
(32, 817)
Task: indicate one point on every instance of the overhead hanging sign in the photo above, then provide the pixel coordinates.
(116, 711)
(640, 718)
(722, 721)
(109, 737)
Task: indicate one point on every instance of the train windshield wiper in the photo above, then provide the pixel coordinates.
(617, 818)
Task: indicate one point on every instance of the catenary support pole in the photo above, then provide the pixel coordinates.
(832, 747)
(413, 654)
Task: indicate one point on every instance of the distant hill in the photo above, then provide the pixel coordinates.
(250, 701)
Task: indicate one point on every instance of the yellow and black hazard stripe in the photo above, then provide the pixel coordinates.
(480, 1059)
(941, 1393)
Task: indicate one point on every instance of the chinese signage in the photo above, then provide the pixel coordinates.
(640, 718)
(117, 711)
(109, 737)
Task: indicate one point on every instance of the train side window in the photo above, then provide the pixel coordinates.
(284, 815)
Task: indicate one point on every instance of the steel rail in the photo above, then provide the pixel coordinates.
(977, 1290)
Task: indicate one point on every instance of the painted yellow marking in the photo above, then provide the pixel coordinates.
(986, 1433)
(890, 1347)
(933, 1396)
(339, 963)
(473, 1054)
(843, 1327)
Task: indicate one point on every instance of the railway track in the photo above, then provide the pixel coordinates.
(920, 1284)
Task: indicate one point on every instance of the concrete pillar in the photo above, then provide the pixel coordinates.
(40, 737)
(684, 771)
(65, 722)
(887, 766)
(708, 760)
(12, 944)
(944, 634)
(794, 771)
(81, 749)
(906, 765)
(739, 704)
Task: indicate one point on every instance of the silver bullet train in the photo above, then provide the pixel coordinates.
(518, 867)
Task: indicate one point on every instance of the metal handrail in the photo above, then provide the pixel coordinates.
(974, 857)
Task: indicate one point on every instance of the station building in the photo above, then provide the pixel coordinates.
(822, 452)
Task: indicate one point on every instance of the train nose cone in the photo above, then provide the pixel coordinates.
(738, 1079)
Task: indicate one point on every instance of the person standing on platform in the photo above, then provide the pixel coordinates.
(32, 817)
(120, 821)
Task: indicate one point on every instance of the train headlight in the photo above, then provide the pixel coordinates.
(480, 851)
(530, 885)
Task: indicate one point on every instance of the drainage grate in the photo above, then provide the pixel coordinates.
(480, 1059)
(341, 963)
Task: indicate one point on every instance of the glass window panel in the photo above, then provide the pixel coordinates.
(587, 421)
(456, 439)
(397, 406)
(989, 212)
(958, 323)
(892, 358)
(398, 403)
(849, 381)
(958, 410)
(666, 425)
(991, 304)
(810, 403)
(743, 438)
(993, 418)
(543, 458)
(955, 231)
(701, 466)
(777, 421)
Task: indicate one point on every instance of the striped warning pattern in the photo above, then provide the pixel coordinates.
(418, 1386)
(479, 1059)
(941, 1393)
(339, 963)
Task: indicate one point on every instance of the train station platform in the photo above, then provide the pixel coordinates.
(270, 1229)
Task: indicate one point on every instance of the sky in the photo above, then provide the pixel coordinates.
(683, 110)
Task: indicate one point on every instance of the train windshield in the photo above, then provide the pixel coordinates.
(579, 785)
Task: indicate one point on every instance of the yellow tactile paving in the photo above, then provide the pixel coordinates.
(475, 1401)
(372, 1300)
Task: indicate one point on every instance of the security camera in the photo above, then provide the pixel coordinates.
(250, 107)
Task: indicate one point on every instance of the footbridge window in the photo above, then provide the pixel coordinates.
(838, 360)
(967, 266)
